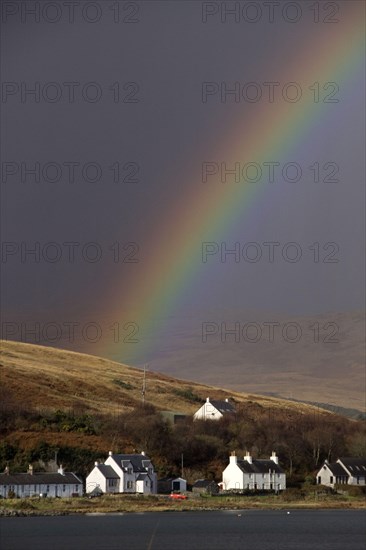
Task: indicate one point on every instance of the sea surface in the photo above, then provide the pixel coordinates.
(219, 530)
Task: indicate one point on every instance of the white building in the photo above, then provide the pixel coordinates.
(60, 484)
(123, 473)
(346, 471)
(214, 410)
(254, 474)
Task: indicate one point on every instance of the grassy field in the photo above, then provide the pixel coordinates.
(109, 504)
(47, 378)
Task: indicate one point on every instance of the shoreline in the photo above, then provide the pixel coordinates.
(120, 505)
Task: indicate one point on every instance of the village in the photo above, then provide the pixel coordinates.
(134, 473)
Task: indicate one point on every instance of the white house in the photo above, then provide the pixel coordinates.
(123, 473)
(255, 474)
(346, 471)
(214, 410)
(58, 484)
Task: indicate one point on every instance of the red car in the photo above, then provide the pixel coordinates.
(178, 496)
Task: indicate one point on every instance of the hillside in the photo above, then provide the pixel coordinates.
(80, 406)
(314, 369)
(49, 378)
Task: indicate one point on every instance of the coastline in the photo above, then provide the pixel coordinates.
(122, 504)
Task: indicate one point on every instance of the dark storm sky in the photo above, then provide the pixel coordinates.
(168, 51)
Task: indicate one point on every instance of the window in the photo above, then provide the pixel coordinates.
(64, 488)
(76, 488)
(331, 479)
(48, 488)
(129, 470)
(35, 488)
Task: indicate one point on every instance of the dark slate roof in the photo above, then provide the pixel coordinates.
(139, 462)
(259, 466)
(37, 478)
(337, 469)
(203, 483)
(142, 476)
(357, 466)
(223, 406)
(169, 479)
(107, 471)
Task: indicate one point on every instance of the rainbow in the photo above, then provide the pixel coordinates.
(268, 133)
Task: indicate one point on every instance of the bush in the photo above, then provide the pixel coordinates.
(124, 385)
(292, 494)
(352, 490)
(188, 395)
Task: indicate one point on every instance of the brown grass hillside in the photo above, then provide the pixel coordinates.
(48, 378)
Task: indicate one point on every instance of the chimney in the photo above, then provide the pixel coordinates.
(96, 463)
(248, 457)
(226, 401)
(207, 399)
(233, 458)
(110, 453)
(143, 453)
(61, 470)
(274, 457)
(30, 469)
(7, 471)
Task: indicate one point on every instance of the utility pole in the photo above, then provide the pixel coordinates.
(182, 466)
(143, 391)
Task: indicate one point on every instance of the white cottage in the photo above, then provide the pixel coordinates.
(253, 474)
(214, 410)
(123, 473)
(58, 484)
(346, 471)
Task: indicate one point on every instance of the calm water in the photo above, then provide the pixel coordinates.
(252, 530)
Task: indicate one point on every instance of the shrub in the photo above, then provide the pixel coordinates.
(292, 494)
(124, 385)
(188, 395)
(352, 490)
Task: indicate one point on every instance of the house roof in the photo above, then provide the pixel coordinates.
(139, 462)
(223, 406)
(142, 476)
(337, 469)
(107, 471)
(39, 478)
(259, 466)
(357, 466)
(203, 482)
